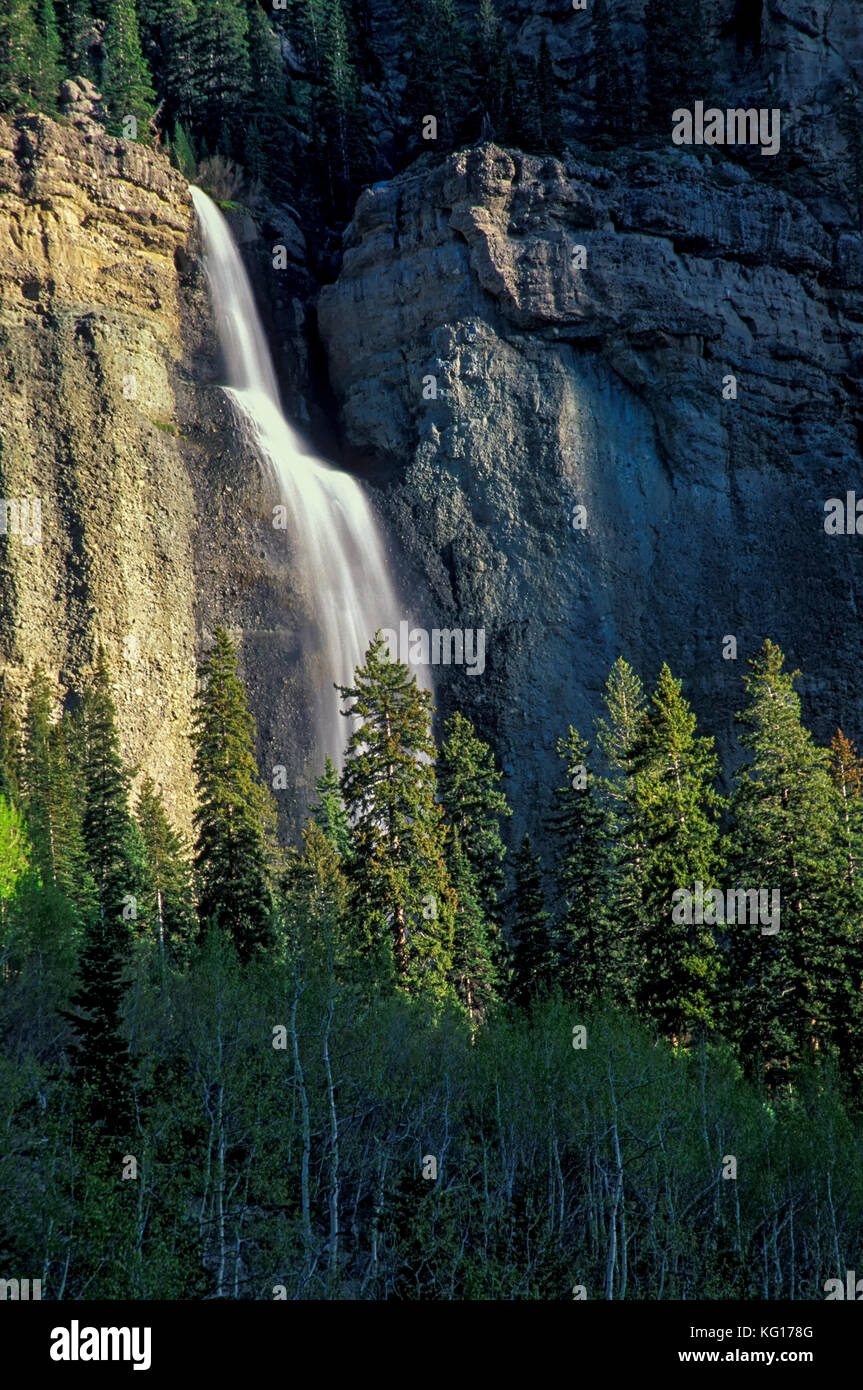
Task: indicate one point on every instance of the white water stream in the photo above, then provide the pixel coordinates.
(336, 540)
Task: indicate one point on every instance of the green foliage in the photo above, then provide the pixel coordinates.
(126, 86)
(233, 804)
(330, 814)
(169, 902)
(535, 956)
(398, 872)
(29, 56)
(677, 809)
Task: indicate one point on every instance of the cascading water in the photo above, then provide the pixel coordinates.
(338, 544)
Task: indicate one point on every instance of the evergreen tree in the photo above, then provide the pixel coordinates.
(535, 957)
(618, 736)
(10, 751)
(49, 56)
(846, 769)
(343, 121)
(678, 58)
(330, 814)
(77, 30)
(478, 955)
(52, 801)
(222, 74)
(494, 72)
(550, 132)
(785, 840)
(100, 1055)
(168, 875)
(614, 95)
(593, 955)
(440, 76)
(398, 871)
(469, 786)
(22, 57)
(177, 74)
(126, 86)
(678, 807)
(230, 854)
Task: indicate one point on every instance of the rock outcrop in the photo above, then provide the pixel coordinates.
(608, 387)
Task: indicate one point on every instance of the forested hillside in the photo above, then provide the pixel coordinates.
(391, 1064)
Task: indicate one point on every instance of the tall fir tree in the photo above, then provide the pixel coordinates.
(536, 960)
(399, 875)
(126, 86)
(23, 58)
(678, 810)
(469, 787)
(77, 33)
(233, 803)
(53, 803)
(618, 733)
(168, 876)
(594, 964)
(785, 840)
(330, 814)
(222, 74)
(100, 1054)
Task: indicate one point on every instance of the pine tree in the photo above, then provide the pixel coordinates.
(230, 854)
(222, 74)
(548, 103)
(22, 56)
(617, 736)
(593, 954)
(678, 808)
(614, 94)
(177, 75)
(398, 871)
(10, 751)
(77, 29)
(52, 801)
(678, 58)
(168, 875)
(535, 957)
(49, 56)
(330, 814)
(100, 1055)
(267, 107)
(126, 86)
(785, 840)
(441, 80)
(469, 786)
(495, 76)
(478, 966)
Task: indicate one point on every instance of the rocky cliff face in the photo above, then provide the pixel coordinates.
(604, 387)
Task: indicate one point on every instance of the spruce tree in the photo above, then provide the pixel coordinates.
(469, 786)
(10, 750)
(478, 964)
(492, 63)
(49, 56)
(536, 961)
(230, 852)
(398, 872)
(785, 840)
(77, 29)
(617, 735)
(678, 809)
(99, 1053)
(329, 814)
(22, 53)
(593, 954)
(168, 875)
(222, 74)
(126, 86)
(177, 75)
(52, 800)
(441, 81)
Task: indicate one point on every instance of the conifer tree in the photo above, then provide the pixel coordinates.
(264, 146)
(548, 103)
(469, 786)
(535, 955)
(678, 808)
(222, 74)
(785, 840)
(10, 751)
(168, 875)
(230, 853)
(617, 736)
(49, 56)
(100, 1055)
(330, 814)
(495, 76)
(593, 954)
(846, 769)
(614, 95)
(440, 86)
(22, 54)
(177, 76)
(398, 871)
(478, 967)
(52, 801)
(126, 86)
(76, 28)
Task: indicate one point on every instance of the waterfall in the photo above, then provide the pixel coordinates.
(337, 543)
